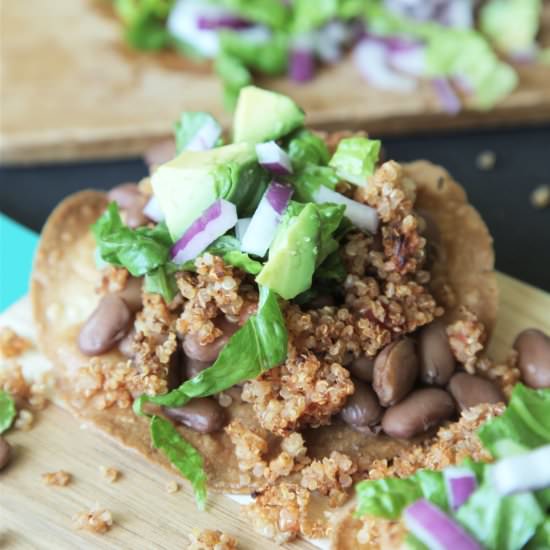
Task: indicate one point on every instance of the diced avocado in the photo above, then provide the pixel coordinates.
(262, 115)
(293, 254)
(191, 182)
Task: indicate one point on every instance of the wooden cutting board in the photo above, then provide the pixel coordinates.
(71, 89)
(33, 516)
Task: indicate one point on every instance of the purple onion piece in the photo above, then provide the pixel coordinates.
(301, 65)
(274, 158)
(227, 21)
(241, 227)
(153, 211)
(460, 484)
(206, 138)
(447, 96)
(362, 216)
(260, 232)
(216, 220)
(435, 529)
(410, 61)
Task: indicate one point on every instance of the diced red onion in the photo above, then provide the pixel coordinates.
(460, 483)
(331, 39)
(522, 57)
(463, 83)
(435, 529)
(410, 60)
(524, 472)
(372, 60)
(458, 14)
(241, 227)
(274, 158)
(301, 67)
(447, 96)
(362, 216)
(206, 137)
(216, 220)
(266, 218)
(221, 21)
(152, 210)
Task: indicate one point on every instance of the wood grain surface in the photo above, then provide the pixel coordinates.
(34, 516)
(71, 90)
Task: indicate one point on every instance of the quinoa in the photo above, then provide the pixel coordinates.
(304, 391)
(467, 337)
(110, 474)
(331, 476)
(57, 479)
(97, 520)
(172, 487)
(11, 344)
(113, 279)
(505, 375)
(208, 539)
(24, 420)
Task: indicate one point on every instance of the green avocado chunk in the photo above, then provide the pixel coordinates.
(293, 254)
(187, 185)
(262, 115)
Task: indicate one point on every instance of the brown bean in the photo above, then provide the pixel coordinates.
(131, 293)
(202, 414)
(176, 366)
(395, 371)
(421, 410)
(321, 301)
(5, 453)
(126, 345)
(437, 363)
(208, 353)
(159, 153)
(194, 367)
(362, 409)
(533, 347)
(469, 390)
(106, 326)
(132, 201)
(362, 368)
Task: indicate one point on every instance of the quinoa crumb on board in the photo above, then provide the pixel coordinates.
(11, 344)
(209, 539)
(57, 479)
(96, 520)
(110, 474)
(172, 487)
(486, 160)
(540, 196)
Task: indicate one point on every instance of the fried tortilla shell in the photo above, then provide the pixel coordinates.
(63, 296)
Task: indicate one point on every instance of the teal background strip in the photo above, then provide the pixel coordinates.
(17, 247)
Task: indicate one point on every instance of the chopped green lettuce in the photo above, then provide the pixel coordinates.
(304, 147)
(272, 13)
(234, 76)
(308, 15)
(523, 426)
(511, 25)
(332, 269)
(355, 159)
(307, 181)
(189, 124)
(7, 410)
(541, 540)
(162, 281)
(139, 250)
(181, 454)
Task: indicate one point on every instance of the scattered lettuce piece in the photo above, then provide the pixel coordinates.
(234, 76)
(307, 181)
(331, 216)
(388, 497)
(511, 25)
(272, 13)
(7, 410)
(523, 425)
(162, 281)
(181, 454)
(332, 269)
(258, 346)
(541, 540)
(189, 124)
(145, 22)
(304, 147)
(139, 250)
(308, 15)
(500, 523)
(355, 159)
(229, 249)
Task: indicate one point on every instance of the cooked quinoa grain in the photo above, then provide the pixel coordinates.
(11, 344)
(97, 520)
(57, 479)
(208, 539)
(110, 474)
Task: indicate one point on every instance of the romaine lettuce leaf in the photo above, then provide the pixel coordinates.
(188, 125)
(7, 410)
(181, 454)
(308, 180)
(541, 540)
(523, 425)
(234, 76)
(272, 13)
(309, 15)
(162, 281)
(304, 147)
(355, 159)
(139, 250)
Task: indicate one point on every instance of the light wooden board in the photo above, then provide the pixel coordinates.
(70, 89)
(33, 516)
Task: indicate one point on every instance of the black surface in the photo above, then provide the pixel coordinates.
(521, 233)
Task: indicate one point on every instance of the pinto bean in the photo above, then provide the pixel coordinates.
(131, 200)
(417, 413)
(395, 371)
(5, 453)
(176, 366)
(362, 409)
(469, 390)
(106, 326)
(208, 353)
(193, 367)
(131, 293)
(362, 368)
(533, 347)
(202, 414)
(437, 363)
(126, 345)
